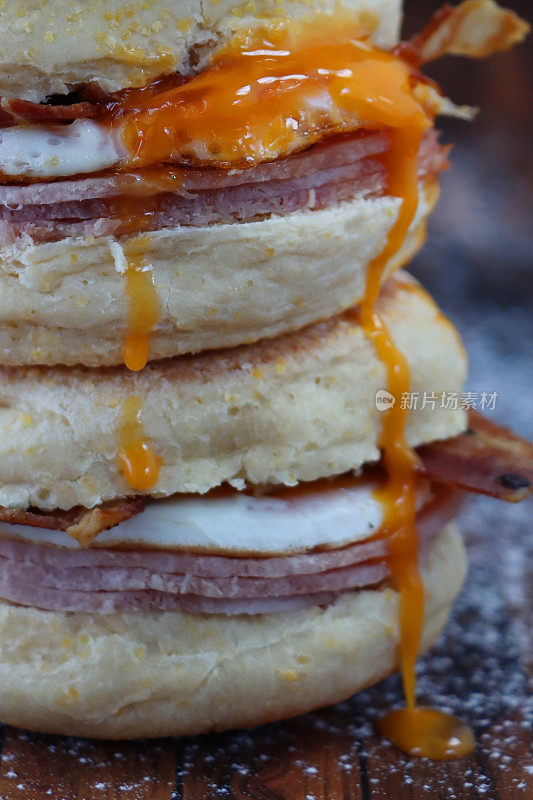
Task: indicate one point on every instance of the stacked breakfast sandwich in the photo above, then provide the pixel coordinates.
(219, 503)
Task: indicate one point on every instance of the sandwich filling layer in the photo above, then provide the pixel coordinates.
(235, 553)
(149, 200)
(190, 560)
(269, 91)
(321, 514)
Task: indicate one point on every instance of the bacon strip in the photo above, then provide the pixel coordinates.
(87, 102)
(474, 28)
(487, 458)
(14, 111)
(81, 523)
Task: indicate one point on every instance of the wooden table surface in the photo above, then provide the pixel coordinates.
(479, 669)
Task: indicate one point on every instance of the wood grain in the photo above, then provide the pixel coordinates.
(480, 669)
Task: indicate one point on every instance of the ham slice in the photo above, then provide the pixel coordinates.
(51, 231)
(336, 152)
(232, 204)
(111, 602)
(103, 581)
(323, 176)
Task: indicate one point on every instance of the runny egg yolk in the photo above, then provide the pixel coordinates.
(267, 94)
(419, 731)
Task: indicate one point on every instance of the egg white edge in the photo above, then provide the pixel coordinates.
(241, 523)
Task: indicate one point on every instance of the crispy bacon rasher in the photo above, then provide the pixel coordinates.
(486, 458)
(83, 524)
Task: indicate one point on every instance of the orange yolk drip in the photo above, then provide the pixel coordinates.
(143, 311)
(139, 463)
(268, 93)
(428, 732)
(398, 495)
(138, 460)
(419, 731)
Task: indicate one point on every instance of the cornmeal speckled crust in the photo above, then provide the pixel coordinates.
(49, 46)
(218, 286)
(170, 673)
(298, 407)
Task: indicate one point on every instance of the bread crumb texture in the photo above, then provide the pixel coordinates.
(206, 672)
(211, 419)
(51, 46)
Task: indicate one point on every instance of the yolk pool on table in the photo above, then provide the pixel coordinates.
(266, 95)
(418, 731)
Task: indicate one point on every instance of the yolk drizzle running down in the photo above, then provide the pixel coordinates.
(269, 94)
(418, 731)
(139, 462)
(143, 303)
